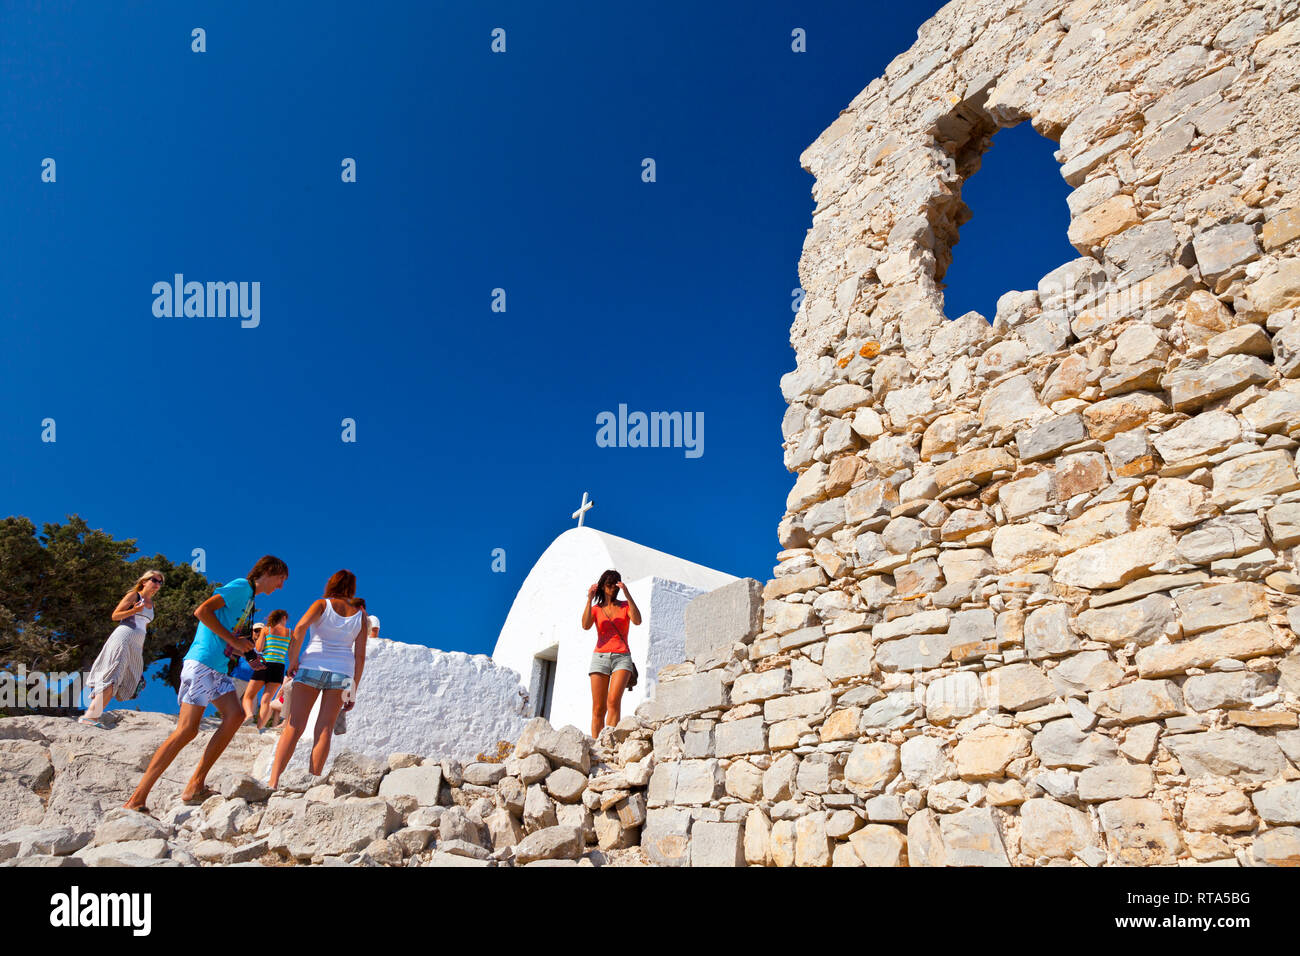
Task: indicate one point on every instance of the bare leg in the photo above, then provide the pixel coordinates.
(300, 704)
(232, 716)
(97, 704)
(617, 681)
(330, 705)
(187, 728)
(599, 693)
(250, 698)
(264, 711)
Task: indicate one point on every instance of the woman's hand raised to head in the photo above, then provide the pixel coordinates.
(591, 591)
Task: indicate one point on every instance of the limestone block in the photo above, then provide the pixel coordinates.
(744, 736)
(1107, 218)
(1279, 803)
(971, 838)
(693, 693)
(1080, 674)
(1222, 690)
(1138, 833)
(1062, 744)
(812, 847)
(1048, 633)
(879, 845)
(1115, 781)
(1284, 524)
(953, 697)
(760, 686)
(756, 838)
(871, 766)
(1054, 830)
(1242, 754)
(1206, 608)
(797, 705)
(848, 655)
(1138, 701)
(1021, 545)
(1218, 809)
(1109, 564)
(984, 753)
(977, 466)
(1108, 520)
(925, 846)
(1017, 687)
(1027, 495)
(923, 760)
(1241, 641)
(1175, 503)
(1191, 387)
(1142, 622)
(724, 616)
(665, 838)
(1277, 847)
(717, 844)
(1223, 537)
(1048, 438)
(1223, 247)
(1106, 419)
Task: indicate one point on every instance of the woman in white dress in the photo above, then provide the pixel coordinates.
(119, 668)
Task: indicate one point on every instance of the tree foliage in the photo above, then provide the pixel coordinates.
(58, 591)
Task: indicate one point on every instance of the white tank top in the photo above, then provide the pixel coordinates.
(330, 647)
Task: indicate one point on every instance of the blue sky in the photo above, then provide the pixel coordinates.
(475, 171)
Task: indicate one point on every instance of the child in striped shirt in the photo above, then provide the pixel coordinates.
(273, 645)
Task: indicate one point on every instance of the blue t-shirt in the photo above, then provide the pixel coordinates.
(209, 649)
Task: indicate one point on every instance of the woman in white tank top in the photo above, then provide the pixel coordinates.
(330, 665)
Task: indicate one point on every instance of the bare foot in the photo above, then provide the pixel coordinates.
(197, 796)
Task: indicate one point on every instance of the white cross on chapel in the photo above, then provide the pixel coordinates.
(582, 511)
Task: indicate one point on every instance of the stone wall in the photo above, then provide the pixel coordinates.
(557, 798)
(1037, 598)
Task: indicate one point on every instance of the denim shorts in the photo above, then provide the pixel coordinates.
(608, 663)
(322, 680)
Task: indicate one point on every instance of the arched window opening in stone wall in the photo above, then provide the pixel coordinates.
(1018, 221)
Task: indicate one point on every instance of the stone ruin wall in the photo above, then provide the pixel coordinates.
(1037, 601)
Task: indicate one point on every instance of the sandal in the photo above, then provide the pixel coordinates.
(92, 723)
(199, 797)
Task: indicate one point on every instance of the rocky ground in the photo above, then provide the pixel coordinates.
(559, 798)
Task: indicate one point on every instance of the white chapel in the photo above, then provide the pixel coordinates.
(543, 641)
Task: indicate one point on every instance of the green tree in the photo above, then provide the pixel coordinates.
(58, 591)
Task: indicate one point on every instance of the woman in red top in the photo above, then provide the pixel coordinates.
(611, 664)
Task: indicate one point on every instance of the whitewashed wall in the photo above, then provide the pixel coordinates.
(420, 700)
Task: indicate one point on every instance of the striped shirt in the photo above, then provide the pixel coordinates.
(275, 648)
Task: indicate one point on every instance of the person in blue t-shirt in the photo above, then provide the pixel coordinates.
(222, 638)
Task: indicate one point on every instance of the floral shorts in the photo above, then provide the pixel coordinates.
(201, 685)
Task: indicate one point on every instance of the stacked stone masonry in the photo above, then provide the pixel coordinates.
(1038, 600)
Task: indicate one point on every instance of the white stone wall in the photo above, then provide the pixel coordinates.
(419, 700)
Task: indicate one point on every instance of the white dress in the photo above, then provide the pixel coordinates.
(121, 662)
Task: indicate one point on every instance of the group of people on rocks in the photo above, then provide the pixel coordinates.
(323, 656)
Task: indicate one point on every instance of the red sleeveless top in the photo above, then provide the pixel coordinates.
(612, 623)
